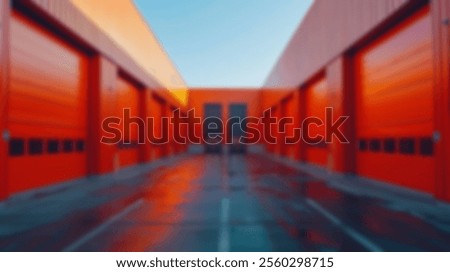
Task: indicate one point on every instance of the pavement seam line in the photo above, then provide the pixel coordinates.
(224, 233)
(96, 231)
(354, 234)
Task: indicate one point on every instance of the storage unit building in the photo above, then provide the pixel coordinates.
(61, 76)
(47, 107)
(388, 72)
(394, 105)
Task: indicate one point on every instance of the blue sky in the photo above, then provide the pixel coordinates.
(224, 43)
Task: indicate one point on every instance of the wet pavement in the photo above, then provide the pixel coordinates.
(213, 202)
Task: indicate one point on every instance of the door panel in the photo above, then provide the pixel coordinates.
(47, 108)
(128, 98)
(395, 105)
(316, 102)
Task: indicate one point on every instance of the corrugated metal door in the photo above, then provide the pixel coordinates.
(395, 106)
(316, 101)
(159, 132)
(128, 98)
(47, 118)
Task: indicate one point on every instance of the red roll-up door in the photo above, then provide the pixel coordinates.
(159, 130)
(128, 99)
(315, 102)
(395, 105)
(47, 114)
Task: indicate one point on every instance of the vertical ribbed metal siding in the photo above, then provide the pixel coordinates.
(330, 28)
(394, 101)
(47, 101)
(70, 18)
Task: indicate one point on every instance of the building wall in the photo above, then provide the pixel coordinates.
(141, 44)
(328, 30)
(271, 96)
(61, 77)
(101, 105)
(199, 97)
(69, 19)
(354, 27)
(351, 25)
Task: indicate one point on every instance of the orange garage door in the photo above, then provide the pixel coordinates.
(315, 103)
(395, 106)
(48, 114)
(128, 99)
(159, 129)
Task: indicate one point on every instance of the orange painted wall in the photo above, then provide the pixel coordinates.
(273, 96)
(401, 92)
(282, 102)
(329, 29)
(315, 103)
(92, 24)
(102, 105)
(58, 84)
(341, 99)
(140, 44)
(422, 110)
(199, 97)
